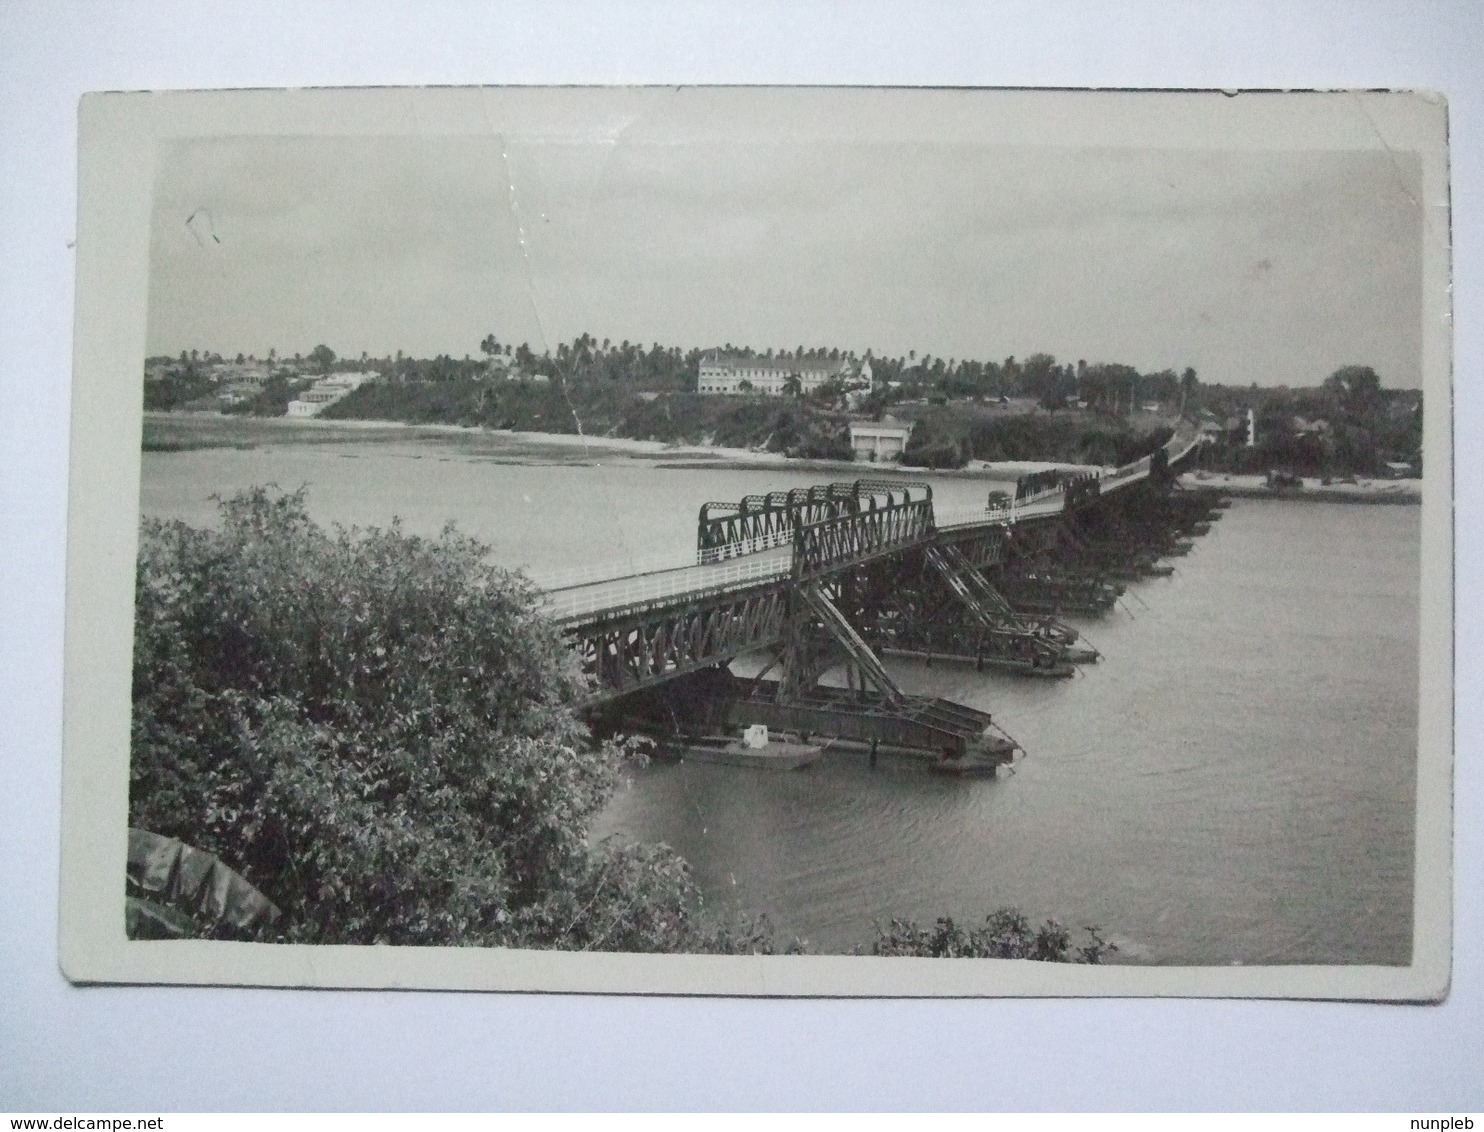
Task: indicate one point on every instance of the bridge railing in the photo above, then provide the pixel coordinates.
(1179, 446)
(764, 522)
(950, 518)
(610, 570)
(1001, 513)
(1044, 493)
(741, 546)
(618, 593)
(831, 543)
(760, 522)
(586, 589)
(1181, 441)
(1136, 470)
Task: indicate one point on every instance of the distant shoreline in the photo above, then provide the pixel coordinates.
(193, 431)
(189, 431)
(1408, 491)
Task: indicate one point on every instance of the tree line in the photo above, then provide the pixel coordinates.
(1348, 424)
(659, 368)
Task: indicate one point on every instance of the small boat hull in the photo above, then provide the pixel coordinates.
(775, 754)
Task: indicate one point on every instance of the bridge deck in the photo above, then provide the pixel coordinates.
(571, 604)
(585, 597)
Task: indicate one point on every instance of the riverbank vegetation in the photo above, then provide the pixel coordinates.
(1347, 426)
(951, 436)
(380, 735)
(1006, 934)
(962, 409)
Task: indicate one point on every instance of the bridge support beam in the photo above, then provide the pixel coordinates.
(625, 650)
(872, 714)
(858, 654)
(1081, 562)
(937, 605)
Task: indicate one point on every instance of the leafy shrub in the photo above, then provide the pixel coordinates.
(936, 442)
(176, 388)
(272, 400)
(1005, 934)
(378, 732)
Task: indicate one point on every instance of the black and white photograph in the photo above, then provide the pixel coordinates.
(555, 534)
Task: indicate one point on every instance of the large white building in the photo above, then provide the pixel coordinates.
(326, 391)
(733, 375)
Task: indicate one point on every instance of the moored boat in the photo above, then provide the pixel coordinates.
(776, 752)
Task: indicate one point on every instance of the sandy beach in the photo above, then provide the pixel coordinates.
(185, 431)
(205, 430)
(1363, 490)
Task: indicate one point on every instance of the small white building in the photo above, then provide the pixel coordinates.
(879, 441)
(312, 402)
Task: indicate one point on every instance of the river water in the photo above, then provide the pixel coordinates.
(1233, 783)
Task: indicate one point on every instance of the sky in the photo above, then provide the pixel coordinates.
(1266, 266)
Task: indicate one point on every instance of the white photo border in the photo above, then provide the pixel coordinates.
(120, 136)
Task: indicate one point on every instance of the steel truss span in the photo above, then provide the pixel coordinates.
(762, 522)
(638, 648)
(824, 576)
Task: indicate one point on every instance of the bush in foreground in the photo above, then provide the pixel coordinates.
(378, 732)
